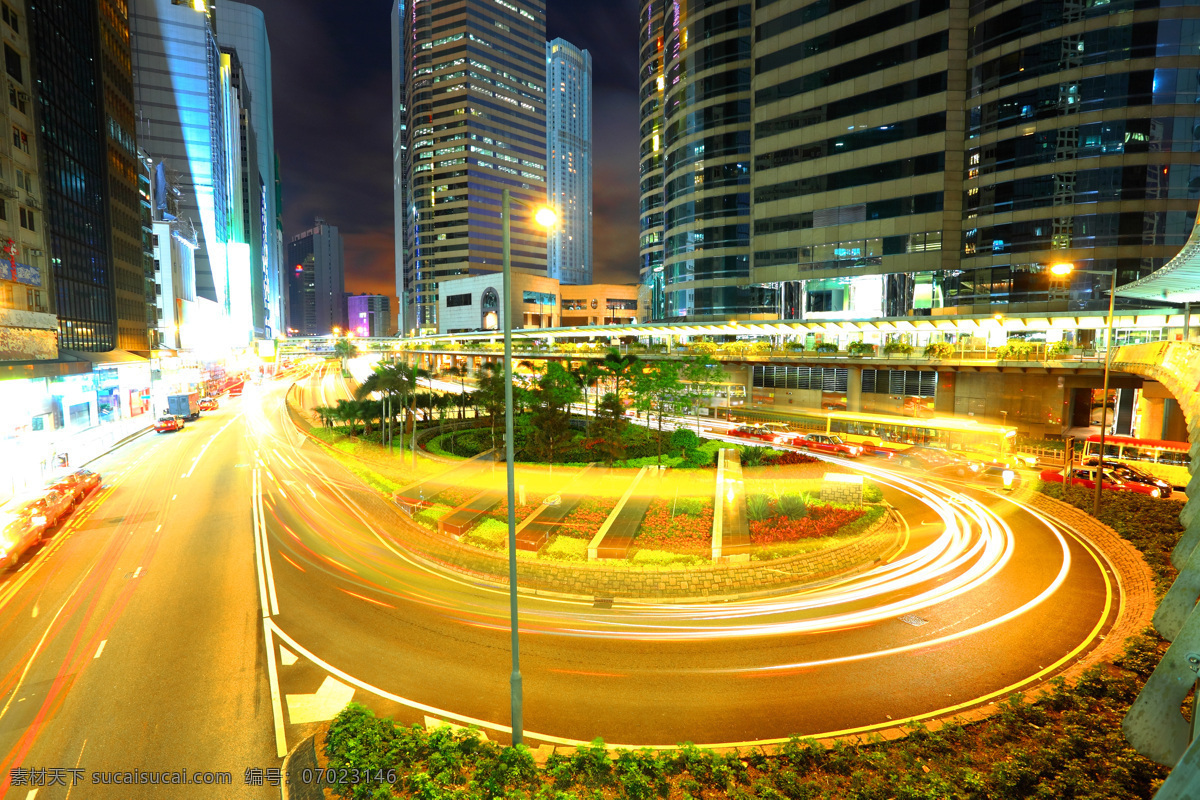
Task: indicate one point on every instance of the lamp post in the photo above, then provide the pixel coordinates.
(546, 218)
(1067, 269)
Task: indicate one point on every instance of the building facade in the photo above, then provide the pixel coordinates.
(242, 28)
(893, 158)
(370, 315)
(569, 161)
(473, 123)
(318, 281)
(28, 329)
(473, 303)
(599, 304)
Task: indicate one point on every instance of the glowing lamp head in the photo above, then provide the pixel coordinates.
(546, 217)
(1062, 269)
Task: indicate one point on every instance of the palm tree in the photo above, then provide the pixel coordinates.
(389, 380)
(327, 414)
(344, 349)
(618, 366)
(587, 375)
(455, 371)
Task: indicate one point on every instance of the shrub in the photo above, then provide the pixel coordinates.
(758, 507)
(826, 347)
(1016, 349)
(793, 347)
(692, 506)
(697, 458)
(702, 348)
(1059, 349)
(939, 350)
(792, 505)
(684, 439)
(861, 349)
(761, 348)
(900, 348)
(872, 493)
(787, 458)
(735, 347)
(753, 456)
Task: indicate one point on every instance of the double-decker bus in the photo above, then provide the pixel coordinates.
(885, 434)
(1161, 458)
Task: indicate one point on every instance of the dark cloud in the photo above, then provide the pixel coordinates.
(331, 65)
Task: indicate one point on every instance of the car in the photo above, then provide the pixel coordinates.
(775, 432)
(934, 459)
(53, 506)
(208, 404)
(77, 484)
(21, 528)
(828, 443)
(1130, 473)
(1086, 477)
(168, 423)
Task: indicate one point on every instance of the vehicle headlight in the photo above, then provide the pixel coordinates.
(39, 520)
(974, 467)
(1155, 493)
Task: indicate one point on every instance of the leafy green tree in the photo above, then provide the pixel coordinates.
(606, 433)
(702, 375)
(556, 391)
(620, 366)
(587, 374)
(659, 390)
(490, 396)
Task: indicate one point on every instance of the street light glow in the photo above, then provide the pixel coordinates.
(546, 217)
(1065, 268)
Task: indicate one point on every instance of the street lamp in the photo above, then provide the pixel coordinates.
(1066, 269)
(546, 218)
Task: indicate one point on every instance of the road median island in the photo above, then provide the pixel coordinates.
(838, 556)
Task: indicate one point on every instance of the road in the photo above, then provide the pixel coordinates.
(137, 640)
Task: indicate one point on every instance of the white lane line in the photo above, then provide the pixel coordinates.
(159, 528)
(32, 794)
(276, 702)
(266, 551)
(258, 555)
(137, 573)
(204, 449)
(174, 496)
(35, 611)
(100, 649)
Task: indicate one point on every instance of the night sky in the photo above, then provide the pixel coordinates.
(333, 126)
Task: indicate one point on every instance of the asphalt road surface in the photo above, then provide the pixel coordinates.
(151, 633)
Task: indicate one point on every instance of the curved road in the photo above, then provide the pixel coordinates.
(136, 639)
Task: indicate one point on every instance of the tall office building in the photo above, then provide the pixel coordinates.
(400, 199)
(28, 331)
(569, 161)
(927, 157)
(83, 99)
(474, 87)
(318, 281)
(242, 28)
(189, 112)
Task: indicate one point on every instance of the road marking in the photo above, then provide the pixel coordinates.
(32, 794)
(137, 573)
(368, 599)
(258, 556)
(204, 449)
(34, 613)
(324, 705)
(159, 528)
(100, 649)
(287, 656)
(266, 551)
(276, 705)
(174, 496)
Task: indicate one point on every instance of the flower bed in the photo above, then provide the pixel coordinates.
(532, 501)
(821, 520)
(456, 495)
(587, 517)
(688, 530)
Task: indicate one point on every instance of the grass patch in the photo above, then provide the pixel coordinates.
(1148, 523)
(565, 548)
(665, 558)
(430, 515)
(491, 534)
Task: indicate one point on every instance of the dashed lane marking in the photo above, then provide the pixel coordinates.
(287, 657)
(100, 649)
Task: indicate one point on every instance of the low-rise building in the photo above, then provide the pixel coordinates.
(472, 303)
(369, 315)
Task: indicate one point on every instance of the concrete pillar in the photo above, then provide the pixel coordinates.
(943, 401)
(854, 389)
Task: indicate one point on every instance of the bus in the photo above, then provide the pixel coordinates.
(1163, 459)
(889, 435)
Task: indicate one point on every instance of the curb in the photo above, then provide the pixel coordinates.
(285, 792)
(119, 443)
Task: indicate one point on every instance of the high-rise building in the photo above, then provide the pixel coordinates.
(890, 158)
(474, 120)
(370, 314)
(318, 281)
(189, 116)
(569, 161)
(242, 28)
(83, 101)
(29, 330)
(400, 199)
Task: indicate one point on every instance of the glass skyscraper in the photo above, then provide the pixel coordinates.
(922, 157)
(569, 161)
(473, 78)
